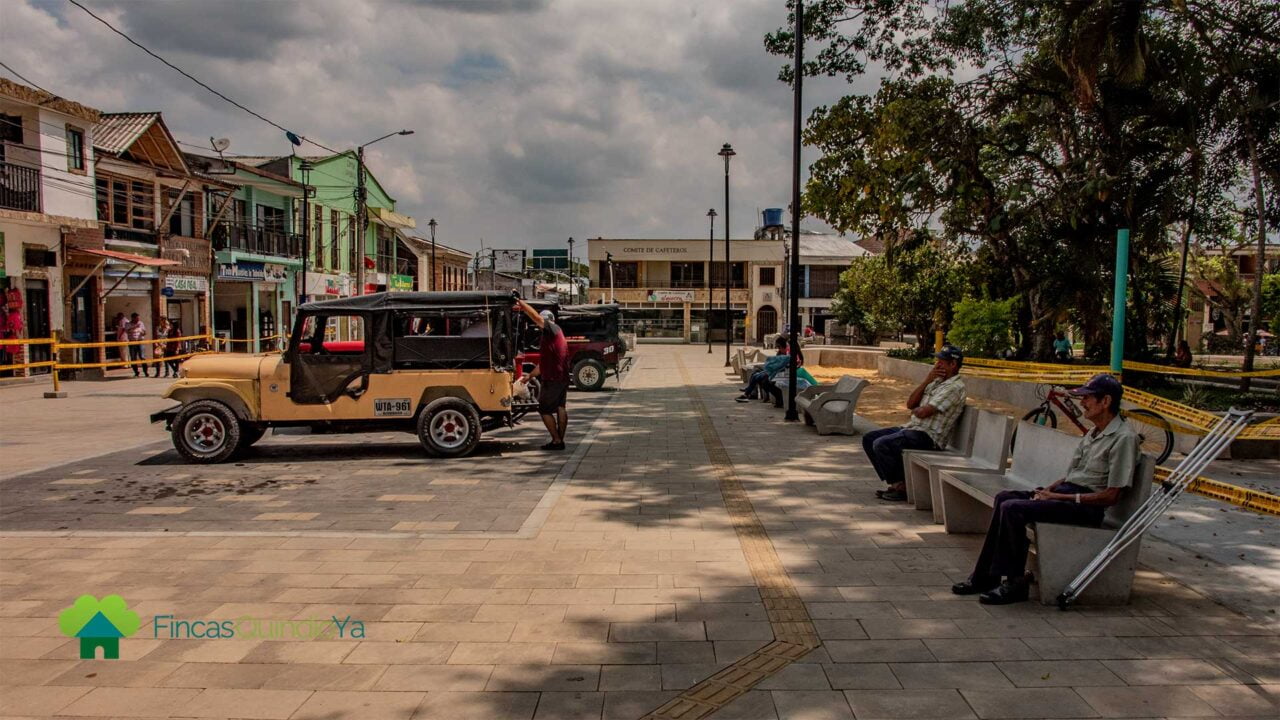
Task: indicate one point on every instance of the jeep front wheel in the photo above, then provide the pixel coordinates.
(449, 427)
(206, 431)
(589, 374)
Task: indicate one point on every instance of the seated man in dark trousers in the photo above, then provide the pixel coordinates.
(935, 405)
(1101, 469)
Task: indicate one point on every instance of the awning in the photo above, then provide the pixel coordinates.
(126, 257)
(394, 219)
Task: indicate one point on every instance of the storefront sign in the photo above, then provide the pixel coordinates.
(401, 282)
(187, 283)
(670, 296)
(375, 278)
(669, 250)
(252, 271)
(323, 284)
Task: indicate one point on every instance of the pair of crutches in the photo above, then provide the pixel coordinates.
(1205, 452)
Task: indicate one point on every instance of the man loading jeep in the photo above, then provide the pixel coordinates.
(553, 369)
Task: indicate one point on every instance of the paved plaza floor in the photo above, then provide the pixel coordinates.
(684, 548)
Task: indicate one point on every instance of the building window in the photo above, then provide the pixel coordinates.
(124, 203)
(823, 281)
(768, 277)
(182, 220)
(354, 249)
(739, 275)
(10, 132)
(75, 149)
(687, 275)
(625, 274)
(335, 259)
(317, 237)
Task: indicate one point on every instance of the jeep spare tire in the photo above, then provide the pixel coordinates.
(449, 427)
(588, 374)
(206, 431)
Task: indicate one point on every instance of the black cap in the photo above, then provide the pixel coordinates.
(950, 352)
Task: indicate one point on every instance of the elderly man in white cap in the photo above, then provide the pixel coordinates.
(553, 370)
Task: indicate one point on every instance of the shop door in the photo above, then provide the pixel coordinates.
(84, 308)
(38, 320)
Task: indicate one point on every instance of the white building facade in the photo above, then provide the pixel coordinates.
(46, 198)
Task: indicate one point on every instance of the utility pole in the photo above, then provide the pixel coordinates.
(793, 264)
(727, 153)
(711, 263)
(432, 225)
(362, 221)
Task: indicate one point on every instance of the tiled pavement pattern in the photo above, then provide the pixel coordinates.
(635, 587)
(378, 482)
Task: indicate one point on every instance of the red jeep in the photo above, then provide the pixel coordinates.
(596, 350)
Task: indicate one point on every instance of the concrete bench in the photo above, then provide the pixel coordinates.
(750, 369)
(830, 410)
(744, 357)
(981, 445)
(1041, 456)
(1060, 552)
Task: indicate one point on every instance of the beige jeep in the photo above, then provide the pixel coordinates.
(436, 364)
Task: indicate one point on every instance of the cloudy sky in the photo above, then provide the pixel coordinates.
(535, 120)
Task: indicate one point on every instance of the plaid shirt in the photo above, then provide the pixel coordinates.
(947, 399)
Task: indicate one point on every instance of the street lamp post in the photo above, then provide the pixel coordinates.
(432, 224)
(793, 264)
(711, 263)
(572, 285)
(362, 209)
(727, 153)
(608, 258)
(305, 168)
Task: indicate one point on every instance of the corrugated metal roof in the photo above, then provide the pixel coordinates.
(832, 246)
(116, 132)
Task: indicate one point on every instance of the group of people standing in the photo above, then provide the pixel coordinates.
(165, 345)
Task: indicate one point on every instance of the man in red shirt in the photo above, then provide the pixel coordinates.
(553, 369)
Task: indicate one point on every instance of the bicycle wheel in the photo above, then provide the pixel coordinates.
(1155, 434)
(1043, 415)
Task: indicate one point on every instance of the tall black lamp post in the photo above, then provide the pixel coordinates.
(711, 263)
(305, 168)
(432, 224)
(572, 285)
(727, 153)
(794, 264)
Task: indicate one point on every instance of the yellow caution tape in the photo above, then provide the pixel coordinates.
(26, 341)
(1199, 372)
(1254, 500)
(20, 366)
(121, 343)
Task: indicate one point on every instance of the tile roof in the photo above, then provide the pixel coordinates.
(116, 132)
(872, 244)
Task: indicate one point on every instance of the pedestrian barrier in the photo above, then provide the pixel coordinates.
(204, 344)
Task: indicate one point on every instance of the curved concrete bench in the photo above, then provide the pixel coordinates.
(981, 444)
(831, 410)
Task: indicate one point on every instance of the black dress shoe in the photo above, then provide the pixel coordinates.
(893, 496)
(969, 587)
(1009, 592)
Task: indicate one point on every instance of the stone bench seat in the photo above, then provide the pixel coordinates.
(831, 409)
(980, 443)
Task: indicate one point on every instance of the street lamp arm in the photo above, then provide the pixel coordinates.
(384, 137)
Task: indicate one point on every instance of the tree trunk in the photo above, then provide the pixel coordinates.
(1255, 307)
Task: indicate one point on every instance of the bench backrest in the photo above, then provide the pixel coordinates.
(1135, 496)
(848, 383)
(962, 433)
(1042, 454)
(991, 436)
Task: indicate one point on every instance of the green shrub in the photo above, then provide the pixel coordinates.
(983, 328)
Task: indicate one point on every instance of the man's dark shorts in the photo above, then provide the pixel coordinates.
(552, 397)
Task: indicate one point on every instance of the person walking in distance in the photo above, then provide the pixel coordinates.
(553, 369)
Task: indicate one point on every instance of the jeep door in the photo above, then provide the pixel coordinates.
(322, 368)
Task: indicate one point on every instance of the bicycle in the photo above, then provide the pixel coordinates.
(1155, 435)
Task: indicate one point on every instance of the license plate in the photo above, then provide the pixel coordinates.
(392, 407)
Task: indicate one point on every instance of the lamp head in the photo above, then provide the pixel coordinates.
(432, 223)
(726, 152)
(405, 132)
(711, 213)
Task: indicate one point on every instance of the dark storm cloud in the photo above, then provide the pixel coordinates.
(233, 29)
(485, 7)
(563, 170)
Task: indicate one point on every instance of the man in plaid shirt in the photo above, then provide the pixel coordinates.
(935, 405)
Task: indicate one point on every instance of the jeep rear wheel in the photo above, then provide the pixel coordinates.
(206, 431)
(449, 427)
(589, 374)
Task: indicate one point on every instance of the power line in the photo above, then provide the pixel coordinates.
(193, 79)
(25, 80)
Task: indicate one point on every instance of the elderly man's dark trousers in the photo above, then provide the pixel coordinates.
(884, 449)
(1004, 554)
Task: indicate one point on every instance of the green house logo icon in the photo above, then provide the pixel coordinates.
(99, 624)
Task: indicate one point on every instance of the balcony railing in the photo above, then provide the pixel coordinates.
(19, 187)
(255, 239)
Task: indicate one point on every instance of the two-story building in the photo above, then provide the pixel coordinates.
(257, 251)
(662, 285)
(155, 258)
(46, 198)
(450, 266)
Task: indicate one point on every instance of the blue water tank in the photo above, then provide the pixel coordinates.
(773, 217)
